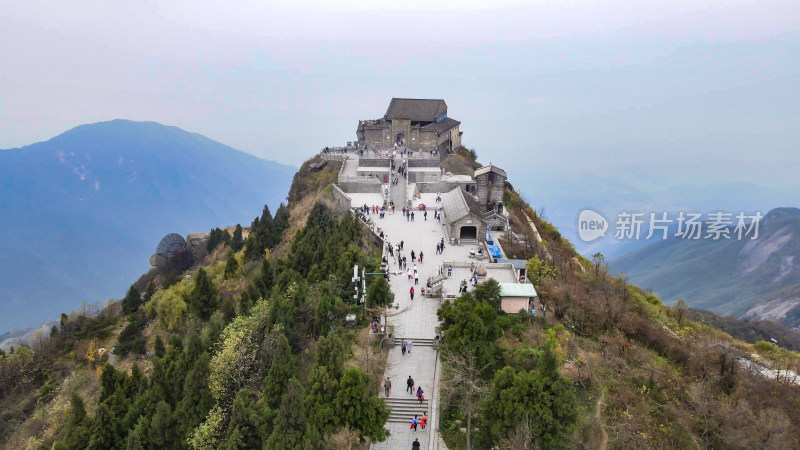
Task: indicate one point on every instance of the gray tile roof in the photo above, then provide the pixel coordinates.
(458, 204)
(490, 168)
(441, 127)
(416, 109)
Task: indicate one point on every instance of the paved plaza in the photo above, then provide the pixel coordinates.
(415, 319)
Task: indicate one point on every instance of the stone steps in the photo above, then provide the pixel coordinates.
(404, 406)
(417, 342)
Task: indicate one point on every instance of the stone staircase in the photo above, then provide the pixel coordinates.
(397, 194)
(405, 406)
(417, 342)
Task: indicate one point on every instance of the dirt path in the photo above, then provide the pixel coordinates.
(599, 420)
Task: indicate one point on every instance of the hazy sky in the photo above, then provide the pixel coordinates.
(653, 93)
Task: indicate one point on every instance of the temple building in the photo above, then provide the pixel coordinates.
(418, 124)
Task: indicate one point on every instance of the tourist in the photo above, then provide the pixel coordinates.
(423, 420)
(409, 345)
(387, 389)
(419, 394)
(411, 292)
(416, 445)
(410, 384)
(437, 248)
(412, 216)
(401, 245)
(403, 347)
(412, 255)
(416, 278)
(449, 271)
(414, 423)
(420, 257)
(426, 215)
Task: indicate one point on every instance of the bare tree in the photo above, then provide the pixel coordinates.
(462, 384)
(521, 438)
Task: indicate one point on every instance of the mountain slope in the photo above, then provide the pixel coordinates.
(81, 213)
(727, 276)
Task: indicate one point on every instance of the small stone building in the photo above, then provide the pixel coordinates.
(418, 124)
(491, 182)
(463, 217)
(516, 297)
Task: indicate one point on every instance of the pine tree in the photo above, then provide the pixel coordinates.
(266, 280)
(162, 433)
(196, 400)
(290, 424)
(244, 427)
(282, 369)
(131, 302)
(236, 241)
(158, 347)
(138, 436)
(320, 400)
(76, 429)
(279, 224)
(150, 291)
(105, 431)
(331, 354)
(359, 408)
(379, 294)
(231, 266)
(204, 298)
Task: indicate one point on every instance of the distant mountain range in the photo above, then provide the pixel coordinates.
(757, 278)
(81, 214)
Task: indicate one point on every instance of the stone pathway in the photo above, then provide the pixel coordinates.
(415, 319)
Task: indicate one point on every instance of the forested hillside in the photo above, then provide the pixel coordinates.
(247, 348)
(608, 366)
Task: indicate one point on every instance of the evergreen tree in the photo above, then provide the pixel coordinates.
(470, 327)
(236, 241)
(150, 291)
(158, 347)
(379, 294)
(162, 433)
(228, 310)
(359, 408)
(244, 427)
(290, 424)
(280, 223)
(489, 291)
(282, 369)
(204, 298)
(266, 279)
(320, 401)
(231, 266)
(547, 398)
(196, 400)
(76, 429)
(331, 353)
(138, 436)
(260, 237)
(131, 302)
(105, 431)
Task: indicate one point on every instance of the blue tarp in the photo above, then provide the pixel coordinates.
(495, 251)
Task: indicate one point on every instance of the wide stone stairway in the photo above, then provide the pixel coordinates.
(398, 194)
